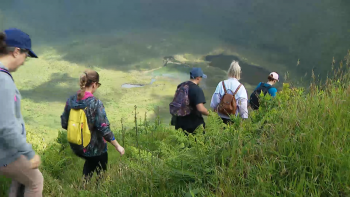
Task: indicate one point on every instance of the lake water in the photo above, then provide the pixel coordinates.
(128, 85)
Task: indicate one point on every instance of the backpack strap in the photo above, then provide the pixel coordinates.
(269, 87)
(223, 85)
(5, 71)
(237, 89)
(263, 85)
(184, 83)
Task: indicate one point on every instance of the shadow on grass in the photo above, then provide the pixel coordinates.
(122, 56)
(132, 51)
(58, 89)
(161, 109)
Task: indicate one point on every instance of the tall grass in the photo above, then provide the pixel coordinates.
(296, 144)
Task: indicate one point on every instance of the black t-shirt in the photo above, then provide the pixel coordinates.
(194, 119)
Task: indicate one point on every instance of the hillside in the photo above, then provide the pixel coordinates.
(295, 145)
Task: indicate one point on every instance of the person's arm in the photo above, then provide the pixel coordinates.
(200, 107)
(10, 130)
(215, 100)
(117, 146)
(242, 103)
(102, 125)
(243, 108)
(65, 116)
(273, 92)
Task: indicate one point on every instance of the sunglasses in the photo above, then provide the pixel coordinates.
(26, 51)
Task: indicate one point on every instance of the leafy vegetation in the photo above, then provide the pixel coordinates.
(297, 144)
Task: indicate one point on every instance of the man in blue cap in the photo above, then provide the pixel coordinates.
(17, 47)
(18, 160)
(188, 93)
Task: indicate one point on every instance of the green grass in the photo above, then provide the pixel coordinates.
(296, 145)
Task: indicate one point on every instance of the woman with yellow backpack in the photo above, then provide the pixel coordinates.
(87, 126)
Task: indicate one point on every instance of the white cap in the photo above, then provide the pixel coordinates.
(274, 75)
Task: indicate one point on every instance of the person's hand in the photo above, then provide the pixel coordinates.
(35, 161)
(120, 149)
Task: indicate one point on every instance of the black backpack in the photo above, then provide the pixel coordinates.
(254, 97)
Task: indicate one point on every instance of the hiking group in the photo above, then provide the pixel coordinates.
(229, 99)
(84, 116)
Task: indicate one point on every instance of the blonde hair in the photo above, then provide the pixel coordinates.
(234, 70)
(86, 80)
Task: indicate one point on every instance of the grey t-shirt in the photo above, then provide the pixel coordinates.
(13, 141)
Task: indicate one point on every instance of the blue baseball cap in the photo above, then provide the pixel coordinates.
(17, 38)
(197, 72)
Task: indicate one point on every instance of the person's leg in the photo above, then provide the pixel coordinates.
(21, 190)
(203, 128)
(102, 163)
(226, 121)
(89, 168)
(20, 171)
(101, 166)
(192, 132)
(14, 189)
(93, 164)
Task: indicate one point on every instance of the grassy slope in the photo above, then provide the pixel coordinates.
(297, 145)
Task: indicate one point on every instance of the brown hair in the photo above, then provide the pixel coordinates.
(3, 47)
(86, 80)
(270, 78)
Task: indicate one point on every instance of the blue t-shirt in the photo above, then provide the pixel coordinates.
(272, 91)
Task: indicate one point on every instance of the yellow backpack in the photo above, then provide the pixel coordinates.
(78, 131)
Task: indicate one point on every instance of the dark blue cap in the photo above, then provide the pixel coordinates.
(197, 72)
(17, 38)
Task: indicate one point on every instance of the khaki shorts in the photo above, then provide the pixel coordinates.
(20, 172)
